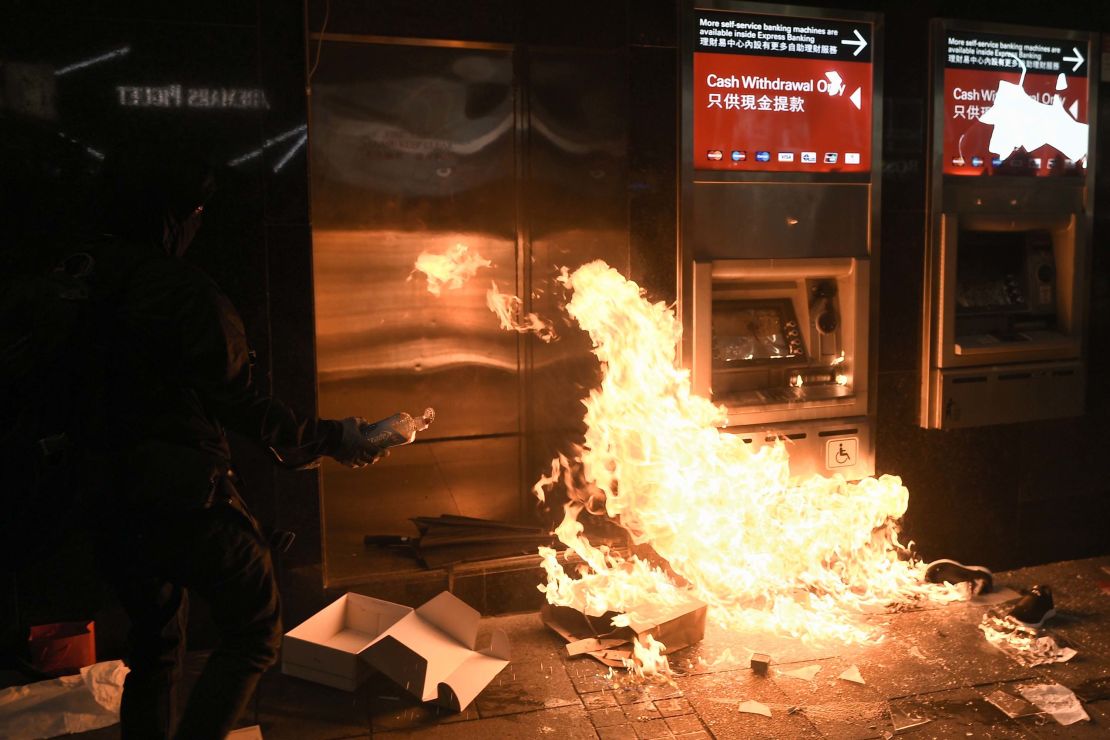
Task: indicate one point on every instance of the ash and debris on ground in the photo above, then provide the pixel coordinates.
(934, 675)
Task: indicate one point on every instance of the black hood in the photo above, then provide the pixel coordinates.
(153, 193)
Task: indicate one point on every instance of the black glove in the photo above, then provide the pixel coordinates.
(354, 449)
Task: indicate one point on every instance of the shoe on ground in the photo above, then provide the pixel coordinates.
(1035, 608)
(949, 571)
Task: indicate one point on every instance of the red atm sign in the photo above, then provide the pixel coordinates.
(1014, 105)
(781, 94)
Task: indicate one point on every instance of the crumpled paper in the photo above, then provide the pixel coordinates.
(754, 707)
(62, 706)
(1057, 700)
(852, 674)
(805, 674)
(1027, 645)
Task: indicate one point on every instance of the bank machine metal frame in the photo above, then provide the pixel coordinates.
(1009, 232)
(779, 224)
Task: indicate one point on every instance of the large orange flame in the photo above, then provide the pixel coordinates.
(802, 557)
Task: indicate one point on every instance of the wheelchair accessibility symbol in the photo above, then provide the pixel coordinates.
(841, 453)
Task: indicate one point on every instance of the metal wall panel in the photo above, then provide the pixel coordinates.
(576, 211)
(780, 220)
(413, 148)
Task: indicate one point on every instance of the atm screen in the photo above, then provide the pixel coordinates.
(1005, 272)
(990, 272)
(1014, 105)
(781, 94)
(751, 332)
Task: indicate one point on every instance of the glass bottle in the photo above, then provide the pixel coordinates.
(399, 429)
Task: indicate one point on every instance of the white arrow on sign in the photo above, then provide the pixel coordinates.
(855, 98)
(1078, 58)
(859, 42)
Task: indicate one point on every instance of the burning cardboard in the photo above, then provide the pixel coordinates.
(430, 651)
(677, 626)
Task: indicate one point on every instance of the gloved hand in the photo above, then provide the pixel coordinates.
(355, 451)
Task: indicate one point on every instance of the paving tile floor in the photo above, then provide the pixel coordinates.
(928, 678)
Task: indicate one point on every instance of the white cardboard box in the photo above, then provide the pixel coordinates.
(430, 651)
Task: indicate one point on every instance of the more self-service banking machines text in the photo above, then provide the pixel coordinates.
(779, 215)
(1010, 208)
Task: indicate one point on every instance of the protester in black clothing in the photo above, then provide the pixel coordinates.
(171, 520)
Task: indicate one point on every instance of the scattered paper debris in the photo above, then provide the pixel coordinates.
(1029, 646)
(754, 707)
(852, 674)
(84, 702)
(1010, 705)
(1057, 700)
(676, 626)
(805, 674)
(916, 652)
(903, 720)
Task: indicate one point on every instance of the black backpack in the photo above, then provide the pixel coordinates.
(52, 366)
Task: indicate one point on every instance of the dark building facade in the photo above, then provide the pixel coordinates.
(603, 74)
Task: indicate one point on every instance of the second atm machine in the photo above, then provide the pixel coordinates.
(779, 212)
(1008, 251)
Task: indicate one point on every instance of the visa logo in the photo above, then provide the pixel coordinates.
(786, 156)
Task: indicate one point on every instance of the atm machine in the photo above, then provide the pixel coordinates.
(778, 258)
(1010, 211)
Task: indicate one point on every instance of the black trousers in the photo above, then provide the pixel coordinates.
(154, 562)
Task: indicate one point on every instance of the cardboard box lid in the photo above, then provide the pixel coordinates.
(431, 653)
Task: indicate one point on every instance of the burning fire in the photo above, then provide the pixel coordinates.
(802, 557)
(449, 270)
(509, 311)
(453, 268)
